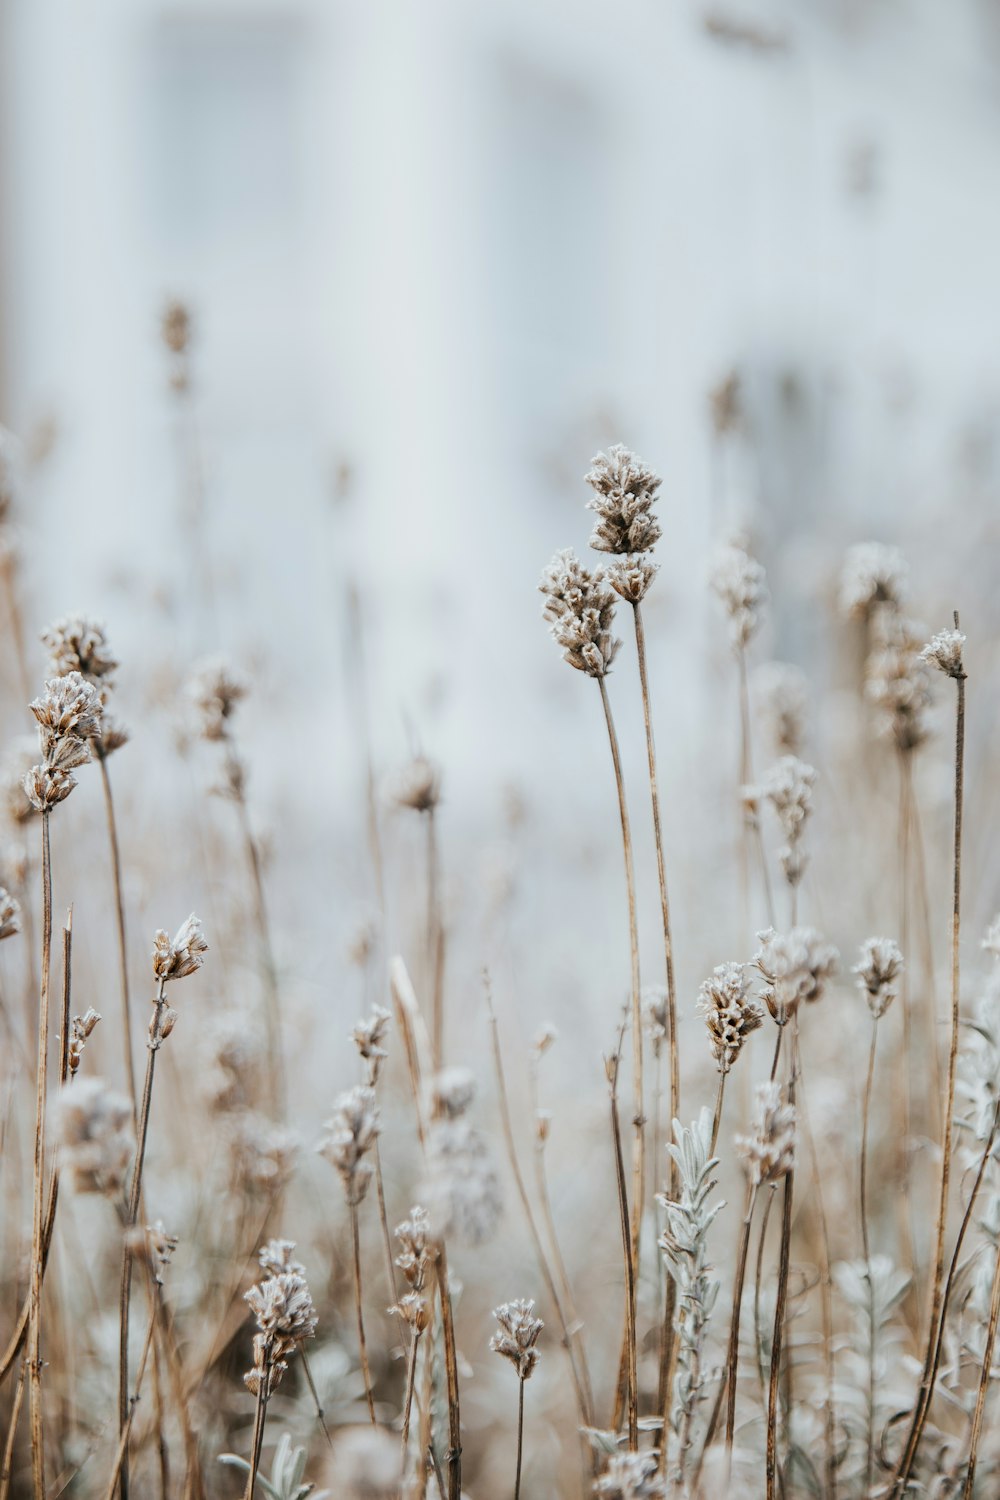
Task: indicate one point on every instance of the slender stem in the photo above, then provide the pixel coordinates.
(758, 1275)
(362, 1345)
(638, 1144)
(272, 998)
(454, 1455)
(923, 1397)
(717, 1117)
(260, 1413)
(732, 1362)
(580, 1376)
(390, 1270)
(411, 1372)
(116, 874)
(751, 822)
(123, 1440)
(771, 1456)
(520, 1438)
(984, 1381)
(38, 1224)
(667, 1326)
(866, 1250)
(15, 1416)
(435, 950)
(132, 1212)
(631, 1373)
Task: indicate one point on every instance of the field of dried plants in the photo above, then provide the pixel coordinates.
(740, 1235)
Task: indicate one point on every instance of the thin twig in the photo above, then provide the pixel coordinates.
(116, 876)
(631, 1374)
(37, 1264)
(359, 1308)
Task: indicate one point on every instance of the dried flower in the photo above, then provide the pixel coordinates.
(46, 788)
(176, 326)
(160, 1247)
(368, 1036)
(881, 965)
(462, 1190)
(897, 679)
(184, 955)
(80, 1029)
(873, 575)
(68, 710)
(769, 1153)
(451, 1092)
(624, 492)
(781, 696)
(730, 1012)
(740, 582)
(796, 967)
(79, 644)
(788, 787)
(580, 608)
(16, 798)
(351, 1132)
(631, 577)
(94, 1132)
(632, 1476)
(416, 1251)
(283, 1307)
(10, 914)
(418, 785)
(516, 1336)
(215, 688)
(263, 1154)
(276, 1256)
(944, 651)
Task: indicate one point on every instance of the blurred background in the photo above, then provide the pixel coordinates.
(435, 256)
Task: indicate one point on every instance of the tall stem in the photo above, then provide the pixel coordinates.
(866, 1247)
(272, 998)
(732, 1362)
(411, 1371)
(116, 875)
(132, 1212)
(923, 1397)
(984, 1381)
(751, 822)
(260, 1414)
(435, 951)
(362, 1345)
(638, 1143)
(631, 1373)
(520, 1438)
(771, 1457)
(454, 1455)
(38, 1222)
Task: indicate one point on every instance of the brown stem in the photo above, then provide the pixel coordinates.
(435, 951)
(923, 1397)
(751, 822)
(38, 1224)
(717, 1117)
(631, 1373)
(638, 1144)
(411, 1374)
(362, 1345)
(132, 1211)
(732, 1361)
(866, 1249)
(771, 1456)
(454, 1455)
(272, 998)
(984, 1382)
(580, 1376)
(116, 874)
(390, 1270)
(15, 1416)
(260, 1413)
(520, 1438)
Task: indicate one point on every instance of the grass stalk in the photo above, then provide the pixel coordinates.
(38, 1219)
(116, 878)
(359, 1310)
(631, 1371)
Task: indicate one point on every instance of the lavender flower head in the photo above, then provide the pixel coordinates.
(625, 490)
(580, 608)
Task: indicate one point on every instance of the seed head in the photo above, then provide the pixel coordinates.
(579, 608)
(10, 914)
(631, 577)
(796, 967)
(944, 651)
(624, 492)
(80, 1029)
(79, 644)
(45, 787)
(781, 695)
(880, 967)
(788, 787)
(368, 1036)
(351, 1132)
(69, 709)
(897, 679)
(451, 1092)
(740, 582)
(215, 688)
(184, 955)
(730, 1012)
(418, 785)
(283, 1307)
(873, 575)
(93, 1130)
(631, 1476)
(769, 1152)
(276, 1256)
(516, 1336)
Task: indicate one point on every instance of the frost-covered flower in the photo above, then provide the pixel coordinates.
(782, 696)
(873, 574)
(788, 787)
(516, 1335)
(215, 688)
(10, 914)
(625, 489)
(351, 1133)
(368, 1036)
(795, 966)
(579, 608)
(94, 1135)
(77, 643)
(730, 1012)
(462, 1188)
(283, 1308)
(944, 651)
(631, 577)
(880, 967)
(897, 680)
(740, 582)
(184, 955)
(631, 1476)
(769, 1152)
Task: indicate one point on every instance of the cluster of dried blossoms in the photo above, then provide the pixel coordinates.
(516, 1336)
(416, 1255)
(368, 1036)
(741, 584)
(462, 1189)
(795, 967)
(77, 643)
(282, 1306)
(580, 608)
(731, 1013)
(80, 1031)
(769, 1151)
(879, 969)
(788, 788)
(174, 958)
(69, 721)
(94, 1130)
(350, 1135)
